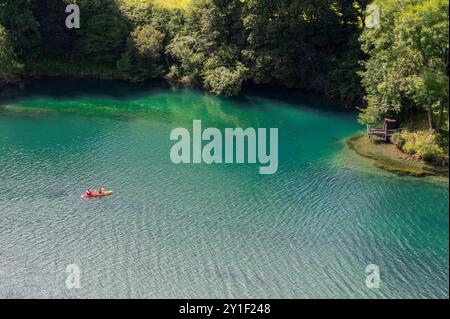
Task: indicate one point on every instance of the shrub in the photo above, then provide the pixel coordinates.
(409, 144)
(222, 80)
(398, 140)
(10, 68)
(186, 51)
(428, 148)
(426, 145)
(148, 42)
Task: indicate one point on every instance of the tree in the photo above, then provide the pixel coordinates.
(407, 69)
(55, 38)
(102, 37)
(148, 42)
(215, 44)
(17, 18)
(222, 80)
(10, 68)
(207, 52)
(305, 44)
(142, 58)
(189, 57)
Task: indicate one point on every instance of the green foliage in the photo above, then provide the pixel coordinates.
(102, 35)
(10, 68)
(372, 115)
(150, 30)
(206, 52)
(148, 42)
(142, 58)
(304, 44)
(222, 80)
(137, 12)
(220, 44)
(428, 148)
(426, 145)
(343, 81)
(125, 66)
(55, 38)
(398, 140)
(215, 44)
(16, 16)
(173, 4)
(409, 146)
(408, 54)
(293, 43)
(189, 57)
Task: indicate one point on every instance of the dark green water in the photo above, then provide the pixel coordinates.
(199, 231)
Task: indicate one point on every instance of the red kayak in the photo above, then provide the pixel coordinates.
(97, 194)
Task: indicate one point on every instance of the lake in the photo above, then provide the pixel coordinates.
(204, 231)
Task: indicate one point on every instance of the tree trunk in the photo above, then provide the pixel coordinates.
(441, 114)
(430, 117)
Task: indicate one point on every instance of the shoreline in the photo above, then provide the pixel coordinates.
(388, 158)
(279, 92)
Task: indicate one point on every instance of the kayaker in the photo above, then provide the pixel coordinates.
(88, 192)
(101, 190)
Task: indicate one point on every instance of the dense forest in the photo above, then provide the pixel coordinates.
(396, 68)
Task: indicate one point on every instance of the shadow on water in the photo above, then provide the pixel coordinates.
(64, 88)
(155, 100)
(295, 98)
(93, 98)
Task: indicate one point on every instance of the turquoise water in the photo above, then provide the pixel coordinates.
(204, 231)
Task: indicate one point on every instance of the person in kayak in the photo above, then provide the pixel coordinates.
(101, 190)
(88, 192)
